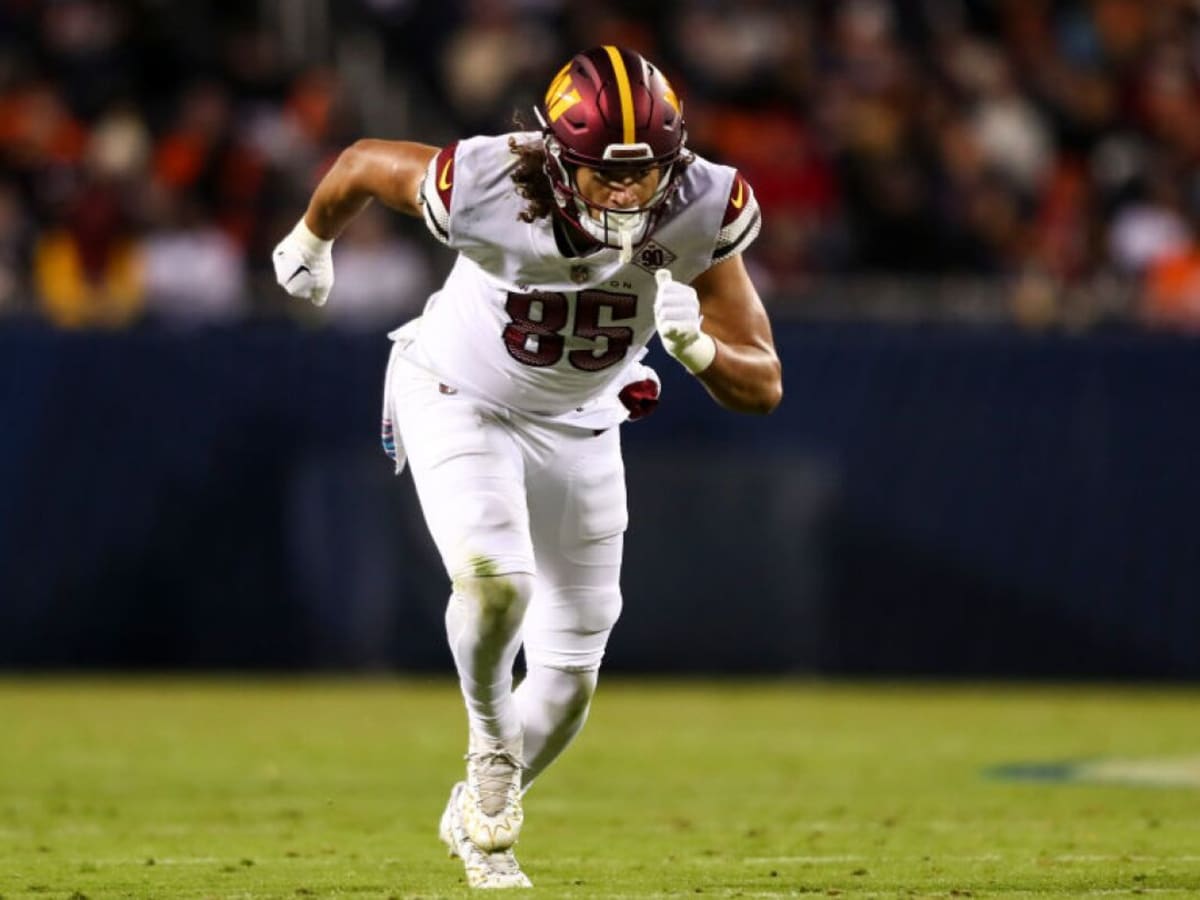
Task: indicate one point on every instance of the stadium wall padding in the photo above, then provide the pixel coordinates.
(927, 501)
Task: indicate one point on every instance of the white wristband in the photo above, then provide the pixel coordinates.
(697, 355)
(308, 242)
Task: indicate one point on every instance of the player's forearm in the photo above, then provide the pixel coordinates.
(388, 171)
(744, 379)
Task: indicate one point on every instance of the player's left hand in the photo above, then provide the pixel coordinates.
(304, 264)
(677, 317)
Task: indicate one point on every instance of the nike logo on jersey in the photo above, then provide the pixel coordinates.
(443, 181)
(741, 203)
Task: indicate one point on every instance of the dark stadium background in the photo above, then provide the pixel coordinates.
(980, 254)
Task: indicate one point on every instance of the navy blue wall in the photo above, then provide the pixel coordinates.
(939, 501)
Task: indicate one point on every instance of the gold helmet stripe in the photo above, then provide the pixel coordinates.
(623, 91)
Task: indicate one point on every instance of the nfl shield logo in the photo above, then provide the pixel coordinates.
(580, 274)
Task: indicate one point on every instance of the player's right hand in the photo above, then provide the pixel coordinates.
(304, 265)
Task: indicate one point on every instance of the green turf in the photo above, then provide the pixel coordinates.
(170, 788)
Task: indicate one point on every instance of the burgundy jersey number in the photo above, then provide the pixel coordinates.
(533, 336)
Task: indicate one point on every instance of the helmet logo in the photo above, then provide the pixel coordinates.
(561, 97)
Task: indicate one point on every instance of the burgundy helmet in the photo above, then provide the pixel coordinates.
(611, 109)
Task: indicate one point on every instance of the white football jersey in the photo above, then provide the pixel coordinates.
(521, 325)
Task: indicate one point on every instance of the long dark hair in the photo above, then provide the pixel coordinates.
(529, 177)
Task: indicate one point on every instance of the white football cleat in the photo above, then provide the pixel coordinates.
(490, 802)
(488, 871)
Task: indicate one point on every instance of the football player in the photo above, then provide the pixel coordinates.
(576, 243)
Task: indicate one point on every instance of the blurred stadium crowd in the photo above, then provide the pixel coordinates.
(152, 151)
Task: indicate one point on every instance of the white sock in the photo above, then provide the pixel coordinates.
(553, 706)
(483, 626)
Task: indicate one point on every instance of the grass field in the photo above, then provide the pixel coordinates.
(179, 788)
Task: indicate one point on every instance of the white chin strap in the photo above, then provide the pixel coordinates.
(630, 229)
(626, 245)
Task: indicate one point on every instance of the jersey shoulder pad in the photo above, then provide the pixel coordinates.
(437, 192)
(741, 221)
(468, 189)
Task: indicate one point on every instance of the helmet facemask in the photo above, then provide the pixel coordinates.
(623, 228)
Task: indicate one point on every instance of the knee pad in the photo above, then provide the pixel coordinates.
(570, 630)
(598, 611)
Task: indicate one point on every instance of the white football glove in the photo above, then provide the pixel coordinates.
(304, 265)
(677, 317)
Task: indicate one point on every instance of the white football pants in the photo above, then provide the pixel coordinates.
(529, 519)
